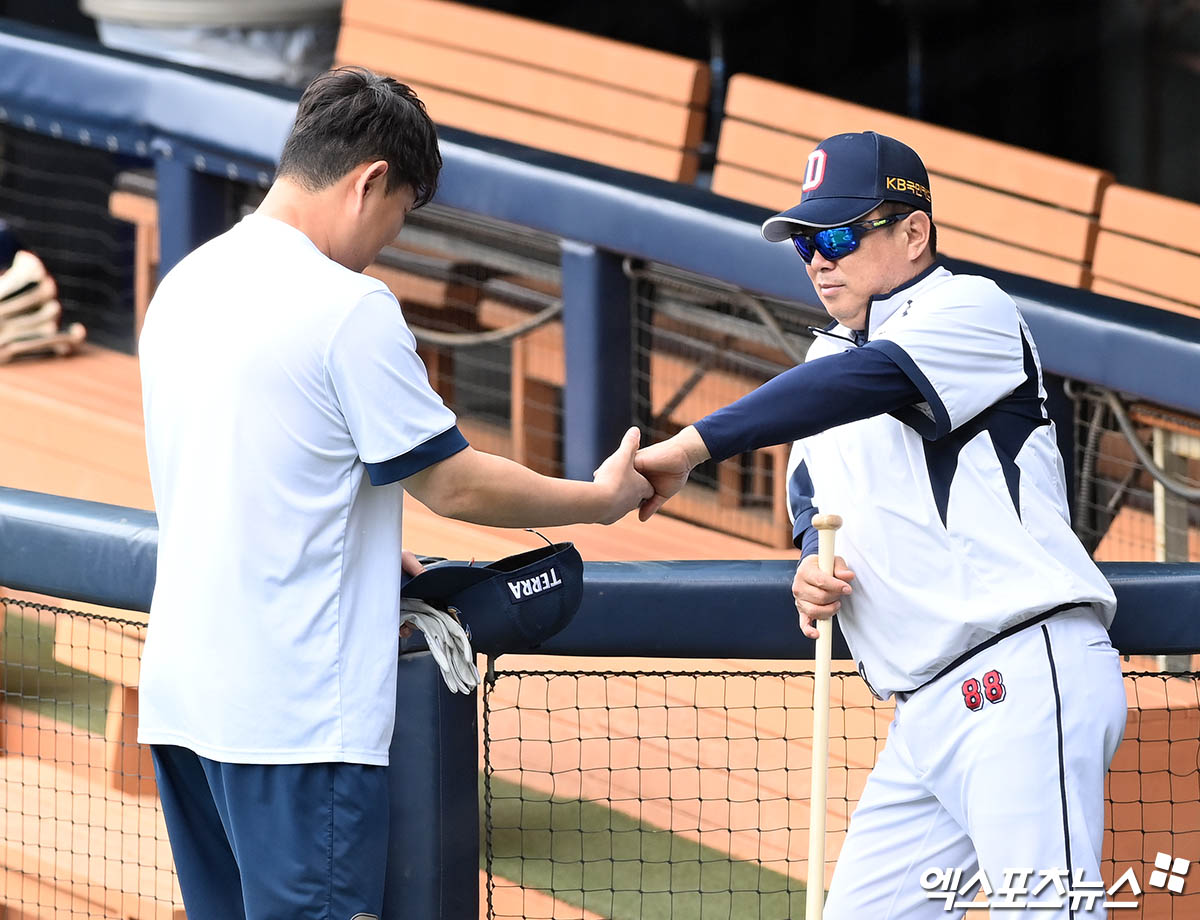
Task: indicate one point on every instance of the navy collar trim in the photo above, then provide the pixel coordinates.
(911, 282)
(871, 301)
(898, 291)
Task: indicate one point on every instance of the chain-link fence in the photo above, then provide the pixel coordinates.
(83, 834)
(484, 301)
(684, 793)
(697, 347)
(1138, 479)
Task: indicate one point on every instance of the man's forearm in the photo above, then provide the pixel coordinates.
(503, 493)
(809, 398)
(692, 445)
(486, 489)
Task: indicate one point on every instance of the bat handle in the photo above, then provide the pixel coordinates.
(826, 526)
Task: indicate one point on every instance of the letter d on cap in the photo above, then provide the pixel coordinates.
(814, 170)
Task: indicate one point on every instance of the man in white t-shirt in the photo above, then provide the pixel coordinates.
(287, 413)
(919, 416)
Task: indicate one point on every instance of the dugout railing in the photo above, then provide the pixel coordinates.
(650, 760)
(197, 131)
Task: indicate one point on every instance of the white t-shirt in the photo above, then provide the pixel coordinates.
(956, 517)
(284, 400)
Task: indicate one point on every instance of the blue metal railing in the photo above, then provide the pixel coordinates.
(104, 554)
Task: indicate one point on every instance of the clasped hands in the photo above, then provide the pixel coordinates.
(667, 465)
(645, 478)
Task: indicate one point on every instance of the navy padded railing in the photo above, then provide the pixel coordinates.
(104, 554)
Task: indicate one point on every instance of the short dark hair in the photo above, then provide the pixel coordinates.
(888, 208)
(349, 116)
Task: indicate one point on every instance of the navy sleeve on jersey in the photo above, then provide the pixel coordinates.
(930, 425)
(800, 501)
(424, 455)
(809, 398)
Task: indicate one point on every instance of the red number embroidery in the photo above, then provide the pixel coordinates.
(993, 686)
(992, 690)
(972, 695)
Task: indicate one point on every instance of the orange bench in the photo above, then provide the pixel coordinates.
(74, 428)
(998, 205)
(537, 84)
(524, 81)
(1148, 250)
(112, 652)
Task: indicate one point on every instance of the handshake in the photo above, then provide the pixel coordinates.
(645, 478)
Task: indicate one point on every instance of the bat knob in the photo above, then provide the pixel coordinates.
(827, 521)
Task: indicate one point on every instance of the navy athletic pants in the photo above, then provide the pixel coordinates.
(275, 841)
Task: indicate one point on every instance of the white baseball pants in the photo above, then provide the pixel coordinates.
(998, 765)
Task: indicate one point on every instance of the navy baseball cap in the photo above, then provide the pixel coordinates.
(512, 604)
(847, 177)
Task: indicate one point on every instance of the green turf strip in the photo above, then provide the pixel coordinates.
(592, 856)
(32, 679)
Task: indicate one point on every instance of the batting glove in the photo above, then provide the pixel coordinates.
(447, 641)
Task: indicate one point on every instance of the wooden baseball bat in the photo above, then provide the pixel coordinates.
(814, 896)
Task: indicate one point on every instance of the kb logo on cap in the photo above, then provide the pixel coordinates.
(897, 184)
(524, 588)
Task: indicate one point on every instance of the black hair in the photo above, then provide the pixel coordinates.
(349, 116)
(888, 208)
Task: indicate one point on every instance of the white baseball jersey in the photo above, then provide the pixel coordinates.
(929, 435)
(284, 400)
(956, 511)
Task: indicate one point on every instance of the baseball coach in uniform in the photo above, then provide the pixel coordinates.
(919, 415)
(286, 414)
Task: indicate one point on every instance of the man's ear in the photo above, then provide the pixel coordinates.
(371, 177)
(917, 230)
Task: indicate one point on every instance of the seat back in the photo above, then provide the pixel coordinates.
(1148, 250)
(995, 204)
(536, 84)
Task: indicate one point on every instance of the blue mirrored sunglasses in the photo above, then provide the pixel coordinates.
(837, 242)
